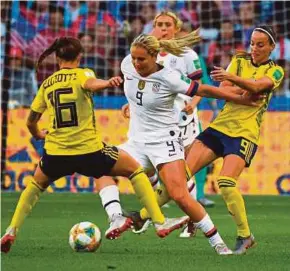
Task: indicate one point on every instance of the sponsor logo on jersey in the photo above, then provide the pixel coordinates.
(141, 84)
(156, 87)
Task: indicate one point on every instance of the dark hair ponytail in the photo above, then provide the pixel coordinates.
(66, 48)
(52, 48)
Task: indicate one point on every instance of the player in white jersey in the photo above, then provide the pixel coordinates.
(154, 133)
(166, 25)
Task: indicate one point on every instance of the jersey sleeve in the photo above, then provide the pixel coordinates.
(181, 84)
(86, 74)
(125, 63)
(193, 66)
(276, 75)
(233, 66)
(39, 104)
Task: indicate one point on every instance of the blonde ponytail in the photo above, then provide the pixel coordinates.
(179, 46)
(176, 46)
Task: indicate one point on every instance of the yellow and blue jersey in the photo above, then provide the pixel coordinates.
(72, 128)
(245, 121)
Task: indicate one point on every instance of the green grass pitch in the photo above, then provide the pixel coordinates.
(42, 243)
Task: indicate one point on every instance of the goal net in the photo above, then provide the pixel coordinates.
(106, 29)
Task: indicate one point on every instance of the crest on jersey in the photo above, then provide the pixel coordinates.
(173, 62)
(156, 87)
(141, 84)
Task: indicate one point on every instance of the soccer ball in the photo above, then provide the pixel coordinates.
(85, 237)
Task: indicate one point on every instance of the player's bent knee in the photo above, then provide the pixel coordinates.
(177, 194)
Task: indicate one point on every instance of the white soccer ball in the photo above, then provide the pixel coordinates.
(85, 237)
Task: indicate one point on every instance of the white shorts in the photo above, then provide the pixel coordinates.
(189, 133)
(150, 155)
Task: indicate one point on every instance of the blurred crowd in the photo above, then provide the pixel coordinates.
(106, 29)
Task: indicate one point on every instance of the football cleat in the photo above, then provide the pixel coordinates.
(139, 225)
(144, 228)
(205, 202)
(118, 225)
(170, 225)
(7, 240)
(189, 230)
(244, 243)
(222, 249)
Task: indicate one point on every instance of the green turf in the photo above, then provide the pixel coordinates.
(42, 243)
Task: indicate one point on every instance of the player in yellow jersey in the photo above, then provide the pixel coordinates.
(234, 134)
(73, 143)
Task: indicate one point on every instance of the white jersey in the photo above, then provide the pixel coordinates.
(151, 101)
(188, 64)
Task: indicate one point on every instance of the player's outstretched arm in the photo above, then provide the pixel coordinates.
(95, 85)
(228, 93)
(255, 86)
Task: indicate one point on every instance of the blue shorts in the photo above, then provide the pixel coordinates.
(223, 145)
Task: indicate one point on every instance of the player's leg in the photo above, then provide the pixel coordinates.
(50, 168)
(128, 167)
(203, 156)
(198, 156)
(109, 194)
(233, 166)
(168, 158)
(26, 202)
(200, 178)
(174, 177)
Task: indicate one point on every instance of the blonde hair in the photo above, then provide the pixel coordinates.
(177, 21)
(176, 46)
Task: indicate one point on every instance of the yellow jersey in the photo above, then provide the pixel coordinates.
(245, 121)
(72, 128)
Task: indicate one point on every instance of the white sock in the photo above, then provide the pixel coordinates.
(209, 230)
(154, 181)
(192, 187)
(111, 200)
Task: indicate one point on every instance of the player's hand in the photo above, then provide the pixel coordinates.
(252, 99)
(41, 134)
(126, 111)
(188, 109)
(219, 74)
(237, 90)
(115, 81)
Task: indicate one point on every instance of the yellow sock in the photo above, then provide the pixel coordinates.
(162, 195)
(25, 204)
(145, 193)
(235, 204)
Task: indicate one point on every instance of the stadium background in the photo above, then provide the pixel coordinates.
(106, 29)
